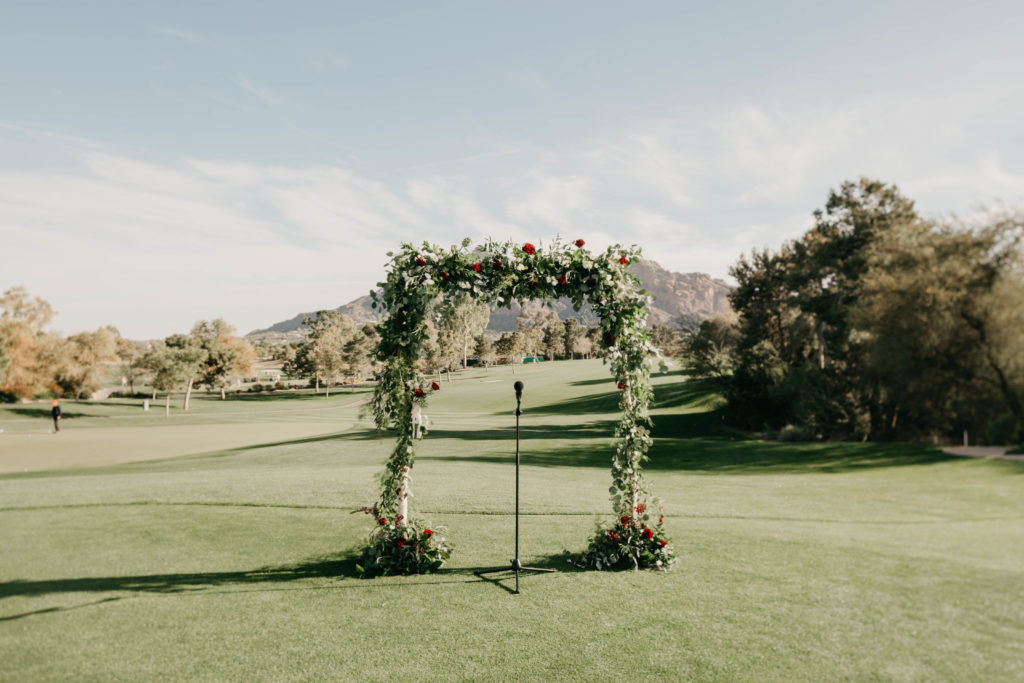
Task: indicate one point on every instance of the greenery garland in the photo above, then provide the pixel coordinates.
(498, 273)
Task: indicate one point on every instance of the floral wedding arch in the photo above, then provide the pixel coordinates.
(497, 273)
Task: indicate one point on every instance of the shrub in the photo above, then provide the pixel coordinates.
(403, 549)
(1001, 430)
(279, 385)
(257, 388)
(794, 434)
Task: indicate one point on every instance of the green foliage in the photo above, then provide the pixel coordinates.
(634, 542)
(402, 548)
(876, 323)
(499, 273)
(711, 350)
(1001, 430)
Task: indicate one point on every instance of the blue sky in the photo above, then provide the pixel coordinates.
(162, 163)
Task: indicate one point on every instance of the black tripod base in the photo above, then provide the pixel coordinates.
(516, 566)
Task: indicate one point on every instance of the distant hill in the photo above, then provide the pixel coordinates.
(692, 295)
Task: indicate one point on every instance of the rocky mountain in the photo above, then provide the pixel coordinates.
(695, 296)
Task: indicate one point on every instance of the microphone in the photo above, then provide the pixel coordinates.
(518, 386)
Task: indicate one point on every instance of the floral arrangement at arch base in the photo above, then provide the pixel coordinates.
(401, 547)
(498, 273)
(634, 542)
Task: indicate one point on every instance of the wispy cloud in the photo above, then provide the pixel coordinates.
(197, 39)
(262, 92)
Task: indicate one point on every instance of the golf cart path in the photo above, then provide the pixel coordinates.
(998, 452)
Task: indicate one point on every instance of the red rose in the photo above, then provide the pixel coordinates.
(661, 520)
(428, 532)
(663, 542)
(647, 533)
(401, 542)
(435, 386)
(445, 275)
(533, 283)
(641, 508)
(497, 264)
(529, 248)
(608, 339)
(615, 536)
(624, 260)
(623, 386)
(418, 391)
(382, 521)
(624, 520)
(476, 266)
(420, 261)
(579, 243)
(562, 280)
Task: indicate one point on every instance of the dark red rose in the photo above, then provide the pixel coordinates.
(624, 261)
(401, 517)
(647, 533)
(579, 243)
(497, 264)
(418, 391)
(533, 283)
(663, 542)
(382, 521)
(476, 266)
(623, 386)
(608, 339)
(661, 520)
(420, 261)
(591, 282)
(445, 275)
(428, 532)
(562, 280)
(641, 509)
(435, 386)
(615, 536)
(624, 520)
(401, 542)
(529, 248)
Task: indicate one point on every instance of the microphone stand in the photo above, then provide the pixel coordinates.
(517, 566)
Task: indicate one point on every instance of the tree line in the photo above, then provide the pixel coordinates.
(877, 323)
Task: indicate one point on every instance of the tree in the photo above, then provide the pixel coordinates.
(509, 346)
(668, 340)
(5, 359)
(484, 350)
(554, 336)
(357, 353)
(462, 319)
(573, 335)
(187, 357)
(131, 354)
(174, 362)
(22, 321)
(84, 356)
(711, 351)
(226, 354)
(943, 307)
(531, 326)
(328, 333)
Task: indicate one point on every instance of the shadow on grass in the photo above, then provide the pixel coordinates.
(731, 457)
(337, 566)
(44, 413)
(292, 396)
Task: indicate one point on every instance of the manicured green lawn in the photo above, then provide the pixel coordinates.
(797, 561)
